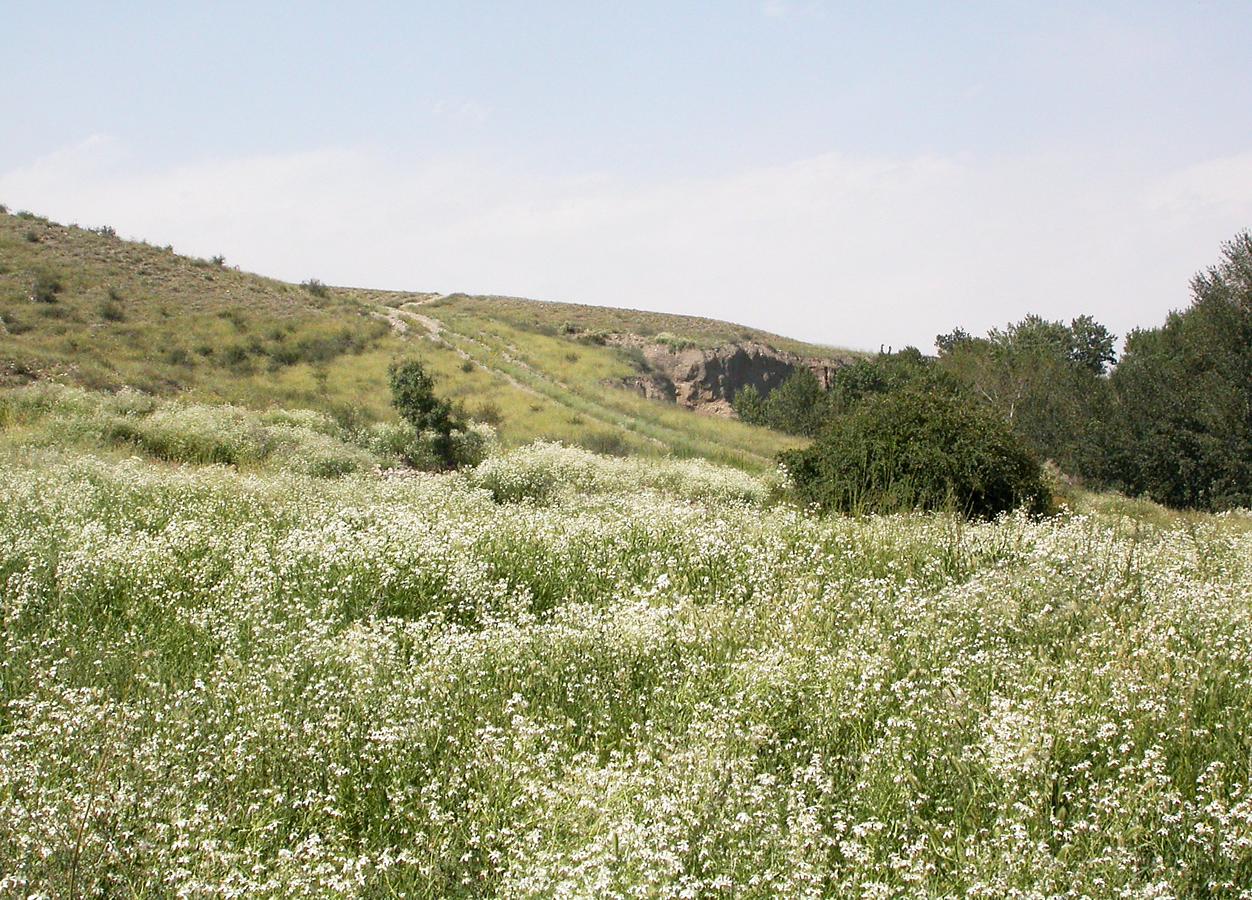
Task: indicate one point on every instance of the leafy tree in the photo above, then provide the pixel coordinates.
(946, 343)
(1044, 378)
(749, 405)
(918, 448)
(1182, 414)
(1091, 345)
(798, 405)
(413, 396)
(884, 373)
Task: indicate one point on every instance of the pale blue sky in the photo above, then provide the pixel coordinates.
(851, 173)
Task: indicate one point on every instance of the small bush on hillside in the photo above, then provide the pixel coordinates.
(609, 443)
(488, 411)
(14, 325)
(918, 450)
(32, 236)
(111, 311)
(235, 317)
(443, 438)
(316, 288)
(310, 451)
(218, 260)
(463, 447)
(675, 343)
(283, 355)
(236, 356)
(46, 288)
(196, 434)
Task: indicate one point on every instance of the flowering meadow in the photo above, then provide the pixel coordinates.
(561, 675)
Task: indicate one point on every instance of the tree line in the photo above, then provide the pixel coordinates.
(1170, 420)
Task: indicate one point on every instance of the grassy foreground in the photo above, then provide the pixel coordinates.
(565, 675)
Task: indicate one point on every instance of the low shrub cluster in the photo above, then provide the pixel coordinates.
(198, 434)
(544, 473)
(919, 449)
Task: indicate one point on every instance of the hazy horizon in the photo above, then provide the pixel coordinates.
(856, 177)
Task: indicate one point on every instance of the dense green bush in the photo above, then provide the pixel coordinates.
(918, 449)
(442, 436)
(798, 405)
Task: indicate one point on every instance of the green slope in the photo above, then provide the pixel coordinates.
(83, 307)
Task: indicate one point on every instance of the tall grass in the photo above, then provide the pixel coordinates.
(564, 675)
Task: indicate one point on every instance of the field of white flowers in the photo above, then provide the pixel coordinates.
(566, 676)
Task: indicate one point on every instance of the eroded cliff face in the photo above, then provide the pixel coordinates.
(707, 380)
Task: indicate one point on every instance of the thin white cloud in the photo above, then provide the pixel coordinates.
(858, 252)
(469, 112)
(781, 9)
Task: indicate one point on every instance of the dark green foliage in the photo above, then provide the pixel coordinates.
(798, 405)
(883, 374)
(413, 396)
(946, 343)
(749, 405)
(1181, 427)
(1044, 378)
(1091, 345)
(918, 449)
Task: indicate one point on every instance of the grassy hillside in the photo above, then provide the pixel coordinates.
(84, 307)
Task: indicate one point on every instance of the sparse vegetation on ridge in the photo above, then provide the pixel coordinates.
(132, 315)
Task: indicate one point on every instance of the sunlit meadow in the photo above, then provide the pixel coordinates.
(560, 675)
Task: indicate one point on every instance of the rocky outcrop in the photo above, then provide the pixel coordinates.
(707, 379)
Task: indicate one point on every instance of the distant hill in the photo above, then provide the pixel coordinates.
(82, 306)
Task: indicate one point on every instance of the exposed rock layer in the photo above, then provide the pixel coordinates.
(707, 380)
